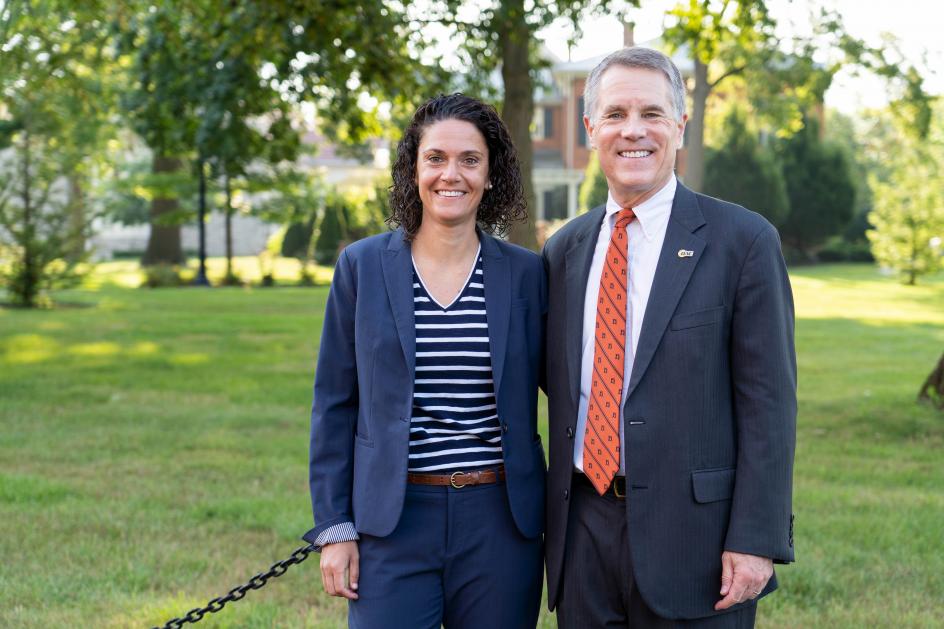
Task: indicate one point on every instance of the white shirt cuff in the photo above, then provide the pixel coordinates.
(341, 532)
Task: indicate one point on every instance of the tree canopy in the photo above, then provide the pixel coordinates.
(907, 219)
(744, 172)
(820, 189)
(785, 77)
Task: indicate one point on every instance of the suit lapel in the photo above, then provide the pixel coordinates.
(497, 278)
(578, 259)
(671, 278)
(398, 278)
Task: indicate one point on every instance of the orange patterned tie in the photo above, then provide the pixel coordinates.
(601, 441)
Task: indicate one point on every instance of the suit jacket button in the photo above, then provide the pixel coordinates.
(570, 432)
(566, 494)
(505, 427)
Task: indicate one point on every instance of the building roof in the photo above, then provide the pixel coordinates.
(582, 67)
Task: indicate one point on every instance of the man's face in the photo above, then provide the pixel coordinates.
(635, 132)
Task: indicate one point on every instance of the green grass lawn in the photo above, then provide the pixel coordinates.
(153, 450)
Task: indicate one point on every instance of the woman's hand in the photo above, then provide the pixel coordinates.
(340, 569)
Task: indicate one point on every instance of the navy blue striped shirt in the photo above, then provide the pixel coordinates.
(454, 424)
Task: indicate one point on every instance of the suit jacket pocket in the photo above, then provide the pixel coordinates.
(713, 485)
(697, 318)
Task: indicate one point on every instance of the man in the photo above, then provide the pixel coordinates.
(671, 381)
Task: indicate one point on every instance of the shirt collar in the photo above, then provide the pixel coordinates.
(651, 212)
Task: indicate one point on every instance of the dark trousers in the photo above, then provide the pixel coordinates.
(606, 596)
(455, 559)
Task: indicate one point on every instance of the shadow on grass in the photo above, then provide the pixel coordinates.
(862, 379)
(46, 306)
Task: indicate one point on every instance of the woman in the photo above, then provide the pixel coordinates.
(427, 472)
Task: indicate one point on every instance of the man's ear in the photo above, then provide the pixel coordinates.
(589, 127)
(682, 124)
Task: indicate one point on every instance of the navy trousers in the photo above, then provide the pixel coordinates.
(456, 559)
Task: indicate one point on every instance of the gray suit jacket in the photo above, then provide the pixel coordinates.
(710, 416)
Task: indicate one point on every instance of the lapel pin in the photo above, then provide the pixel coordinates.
(685, 253)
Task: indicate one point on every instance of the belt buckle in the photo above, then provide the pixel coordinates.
(616, 490)
(452, 480)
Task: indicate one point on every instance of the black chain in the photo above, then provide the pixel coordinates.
(278, 569)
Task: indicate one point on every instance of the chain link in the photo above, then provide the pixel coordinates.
(278, 569)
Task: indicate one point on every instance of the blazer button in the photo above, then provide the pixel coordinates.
(505, 427)
(570, 432)
(566, 494)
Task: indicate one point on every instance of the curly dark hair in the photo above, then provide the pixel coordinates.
(501, 205)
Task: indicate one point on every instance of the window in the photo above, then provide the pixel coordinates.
(555, 203)
(581, 131)
(537, 124)
(542, 127)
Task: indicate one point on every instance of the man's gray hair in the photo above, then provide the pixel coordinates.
(636, 57)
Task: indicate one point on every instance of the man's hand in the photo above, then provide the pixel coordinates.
(340, 569)
(743, 577)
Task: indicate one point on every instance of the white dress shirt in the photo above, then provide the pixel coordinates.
(646, 235)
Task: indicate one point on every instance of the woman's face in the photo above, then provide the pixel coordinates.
(451, 172)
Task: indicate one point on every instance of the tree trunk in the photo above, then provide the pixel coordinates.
(77, 220)
(695, 157)
(27, 289)
(518, 108)
(164, 240)
(933, 388)
(229, 226)
(913, 259)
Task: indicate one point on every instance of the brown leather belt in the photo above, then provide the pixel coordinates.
(617, 488)
(458, 480)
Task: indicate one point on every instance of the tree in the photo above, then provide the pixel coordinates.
(908, 217)
(742, 171)
(504, 38)
(55, 98)
(332, 230)
(162, 48)
(863, 139)
(739, 38)
(594, 189)
(819, 187)
(203, 70)
(242, 119)
(40, 238)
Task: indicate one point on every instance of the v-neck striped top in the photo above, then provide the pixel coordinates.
(454, 424)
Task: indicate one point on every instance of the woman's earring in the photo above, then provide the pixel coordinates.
(488, 186)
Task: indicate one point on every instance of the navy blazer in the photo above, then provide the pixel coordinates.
(363, 397)
(710, 414)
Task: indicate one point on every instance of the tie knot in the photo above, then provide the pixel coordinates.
(624, 217)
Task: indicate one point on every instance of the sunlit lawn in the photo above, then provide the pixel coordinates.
(153, 448)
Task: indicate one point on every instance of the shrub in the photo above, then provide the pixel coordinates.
(744, 172)
(594, 189)
(232, 279)
(837, 249)
(163, 276)
(296, 239)
(332, 231)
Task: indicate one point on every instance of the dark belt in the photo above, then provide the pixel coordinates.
(458, 480)
(617, 488)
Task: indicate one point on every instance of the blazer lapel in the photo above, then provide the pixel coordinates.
(398, 278)
(578, 259)
(497, 278)
(672, 274)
